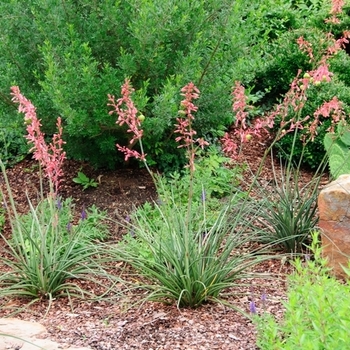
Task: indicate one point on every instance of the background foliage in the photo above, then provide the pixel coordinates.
(67, 56)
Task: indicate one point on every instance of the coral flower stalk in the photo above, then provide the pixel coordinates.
(50, 157)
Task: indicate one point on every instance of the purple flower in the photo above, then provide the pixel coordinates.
(203, 196)
(264, 299)
(252, 308)
(83, 214)
(127, 219)
(59, 204)
(69, 226)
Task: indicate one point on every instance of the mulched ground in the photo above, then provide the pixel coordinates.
(113, 325)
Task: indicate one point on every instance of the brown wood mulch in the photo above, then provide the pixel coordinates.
(113, 325)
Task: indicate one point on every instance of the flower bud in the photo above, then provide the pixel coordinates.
(141, 118)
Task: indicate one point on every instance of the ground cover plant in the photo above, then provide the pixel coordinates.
(315, 316)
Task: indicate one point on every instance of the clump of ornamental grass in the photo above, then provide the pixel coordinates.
(184, 256)
(289, 211)
(42, 258)
(316, 310)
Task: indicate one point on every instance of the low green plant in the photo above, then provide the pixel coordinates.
(84, 181)
(337, 145)
(316, 310)
(186, 259)
(41, 261)
(91, 223)
(288, 209)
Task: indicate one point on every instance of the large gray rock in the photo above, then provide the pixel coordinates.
(334, 211)
(23, 335)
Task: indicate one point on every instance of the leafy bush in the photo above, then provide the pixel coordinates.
(337, 145)
(13, 146)
(68, 56)
(316, 314)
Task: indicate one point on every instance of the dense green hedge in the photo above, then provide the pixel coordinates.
(67, 56)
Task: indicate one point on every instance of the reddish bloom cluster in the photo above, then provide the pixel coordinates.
(337, 8)
(322, 73)
(184, 125)
(305, 47)
(50, 156)
(127, 114)
(294, 99)
(332, 109)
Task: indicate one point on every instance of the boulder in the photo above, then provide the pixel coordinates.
(334, 211)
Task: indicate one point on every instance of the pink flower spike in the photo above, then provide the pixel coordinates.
(127, 114)
(337, 7)
(184, 125)
(52, 156)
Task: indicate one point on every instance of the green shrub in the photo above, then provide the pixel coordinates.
(337, 64)
(13, 145)
(316, 315)
(66, 57)
(337, 145)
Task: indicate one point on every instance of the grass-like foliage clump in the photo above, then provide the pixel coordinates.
(43, 258)
(188, 256)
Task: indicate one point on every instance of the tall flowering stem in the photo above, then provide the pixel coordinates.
(184, 127)
(50, 157)
(293, 101)
(127, 112)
